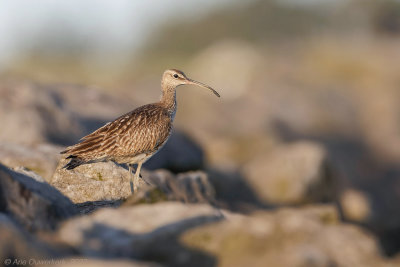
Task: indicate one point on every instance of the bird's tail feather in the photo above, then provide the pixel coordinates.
(73, 163)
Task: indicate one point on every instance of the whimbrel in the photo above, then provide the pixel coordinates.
(136, 136)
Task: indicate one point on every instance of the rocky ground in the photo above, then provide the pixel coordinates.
(290, 206)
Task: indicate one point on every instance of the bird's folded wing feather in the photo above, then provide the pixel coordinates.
(140, 131)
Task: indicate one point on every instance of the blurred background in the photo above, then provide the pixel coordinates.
(310, 91)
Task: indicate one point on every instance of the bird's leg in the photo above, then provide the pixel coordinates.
(136, 177)
(131, 175)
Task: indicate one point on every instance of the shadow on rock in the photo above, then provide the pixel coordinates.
(91, 206)
(161, 245)
(18, 244)
(35, 205)
(144, 232)
(233, 192)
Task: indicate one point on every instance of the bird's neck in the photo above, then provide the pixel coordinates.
(168, 100)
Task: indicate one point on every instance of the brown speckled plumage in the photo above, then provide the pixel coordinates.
(143, 130)
(134, 137)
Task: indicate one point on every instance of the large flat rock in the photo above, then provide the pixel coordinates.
(308, 236)
(145, 232)
(92, 182)
(107, 181)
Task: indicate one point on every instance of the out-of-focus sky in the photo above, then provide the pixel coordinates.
(105, 26)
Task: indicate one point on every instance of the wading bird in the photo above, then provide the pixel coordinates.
(136, 136)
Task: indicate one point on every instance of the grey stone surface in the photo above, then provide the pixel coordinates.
(18, 244)
(292, 174)
(144, 232)
(41, 158)
(35, 205)
(177, 234)
(188, 187)
(108, 182)
(34, 114)
(308, 236)
(92, 182)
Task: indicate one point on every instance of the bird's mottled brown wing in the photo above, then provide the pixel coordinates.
(142, 130)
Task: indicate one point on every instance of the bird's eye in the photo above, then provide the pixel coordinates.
(176, 75)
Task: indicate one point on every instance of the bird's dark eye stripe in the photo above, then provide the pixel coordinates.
(176, 75)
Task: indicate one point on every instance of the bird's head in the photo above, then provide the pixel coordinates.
(172, 78)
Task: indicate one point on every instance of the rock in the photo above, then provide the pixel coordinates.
(90, 206)
(20, 248)
(92, 182)
(176, 234)
(107, 181)
(143, 232)
(190, 187)
(180, 154)
(15, 243)
(232, 80)
(233, 191)
(355, 206)
(56, 113)
(93, 104)
(42, 158)
(309, 236)
(29, 173)
(292, 174)
(35, 205)
(38, 111)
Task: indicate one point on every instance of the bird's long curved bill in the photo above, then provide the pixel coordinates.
(203, 85)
